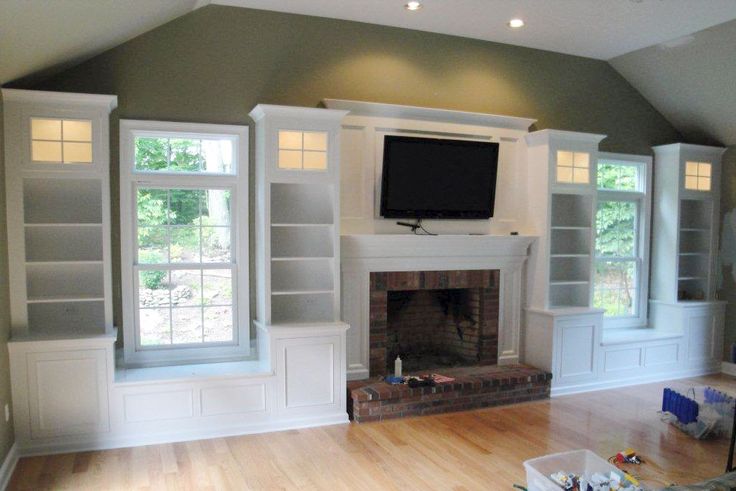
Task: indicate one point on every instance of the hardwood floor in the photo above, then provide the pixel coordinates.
(481, 449)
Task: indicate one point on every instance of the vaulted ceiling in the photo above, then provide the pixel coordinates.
(677, 53)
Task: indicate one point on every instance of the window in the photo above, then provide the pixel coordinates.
(697, 176)
(57, 141)
(573, 167)
(185, 296)
(622, 239)
(302, 150)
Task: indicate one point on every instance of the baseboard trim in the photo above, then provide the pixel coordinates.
(6, 471)
(646, 379)
(728, 368)
(106, 443)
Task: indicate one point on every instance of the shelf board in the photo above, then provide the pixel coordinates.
(568, 255)
(565, 227)
(32, 225)
(690, 229)
(301, 224)
(63, 299)
(303, 258)
(60, 263)
(691, 278)
(561, 283)
(694, 254)
(302, 292)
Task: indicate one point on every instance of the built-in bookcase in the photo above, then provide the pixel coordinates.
(58, 213)
(562, 182)
(297, 231)
(685, 222)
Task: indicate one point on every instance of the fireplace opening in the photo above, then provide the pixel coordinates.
(433, 319)
(433, 328)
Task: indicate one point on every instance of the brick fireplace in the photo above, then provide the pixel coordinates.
(433, 319)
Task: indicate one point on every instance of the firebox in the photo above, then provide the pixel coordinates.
(433, 319)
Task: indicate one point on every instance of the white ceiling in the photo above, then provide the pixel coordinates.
(599, 29)
(37, 35)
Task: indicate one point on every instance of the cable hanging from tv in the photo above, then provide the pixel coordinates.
(415, 227)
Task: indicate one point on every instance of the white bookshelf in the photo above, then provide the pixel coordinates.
(58, 213)
(561, 179)
(685, 222)
(297, 214)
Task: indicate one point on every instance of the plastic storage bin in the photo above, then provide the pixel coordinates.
(581, 462)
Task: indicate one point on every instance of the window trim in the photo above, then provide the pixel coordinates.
(237, 181)
(643, 233)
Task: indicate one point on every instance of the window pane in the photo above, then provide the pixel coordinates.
(186, 325)
(618, 177)
(152, 245)
(615, 287)
(564, 174)
(209, 155)
(45, 129)
(186, 155)
(152, 206)
(290, 140)
(186, 287)
(217, 287)
(218, 324)
(616, 229)
(153, 288)
(216, 244)
(582, 160)
(316, 160)
(564, 158)
(155, 327)
(184, 206)
(315, 140)
(79, 131)
(46, 151)
(151, 154)
(216, 207)
(77, 153)
(184, 244)
(290, 159)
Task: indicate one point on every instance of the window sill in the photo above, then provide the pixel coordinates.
(178, 373)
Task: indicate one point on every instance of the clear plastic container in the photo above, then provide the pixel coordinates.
(580, 462)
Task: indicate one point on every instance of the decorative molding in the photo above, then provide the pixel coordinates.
(6, 471)
(673, 148)
(313, 113)
(398, 111)
(405, 245)
(108, 102)
(544, 137)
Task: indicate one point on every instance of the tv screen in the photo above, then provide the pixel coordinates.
(435, 178)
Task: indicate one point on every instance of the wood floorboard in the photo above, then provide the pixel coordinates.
(474, 450)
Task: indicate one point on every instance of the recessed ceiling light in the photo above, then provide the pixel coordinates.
(413, 5)
(516, 23)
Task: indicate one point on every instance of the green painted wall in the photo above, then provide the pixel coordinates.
(6, 429)
(213, 65)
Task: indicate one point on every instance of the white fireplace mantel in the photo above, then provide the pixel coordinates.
(364, 254)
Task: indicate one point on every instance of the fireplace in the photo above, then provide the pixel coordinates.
(433, 319)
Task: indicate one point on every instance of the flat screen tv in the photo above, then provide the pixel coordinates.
(436, 178)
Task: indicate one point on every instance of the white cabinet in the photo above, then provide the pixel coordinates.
(57, 181)
(561, 180)
(685, 222)
(60, 388)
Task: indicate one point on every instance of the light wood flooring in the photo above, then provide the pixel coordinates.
(482, 449)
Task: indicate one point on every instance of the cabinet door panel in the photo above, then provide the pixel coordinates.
(68, 393)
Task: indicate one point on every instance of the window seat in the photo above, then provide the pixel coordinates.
(637, 335)
(249, 368)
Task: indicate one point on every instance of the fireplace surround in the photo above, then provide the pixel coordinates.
(433, 319)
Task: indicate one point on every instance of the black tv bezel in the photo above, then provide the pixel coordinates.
(437, 214)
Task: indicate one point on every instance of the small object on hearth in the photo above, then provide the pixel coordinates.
(397, 367)
(394, 380)
(441, 379)
(414, 382)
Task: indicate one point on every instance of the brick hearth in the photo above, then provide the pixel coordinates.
(473, 388)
